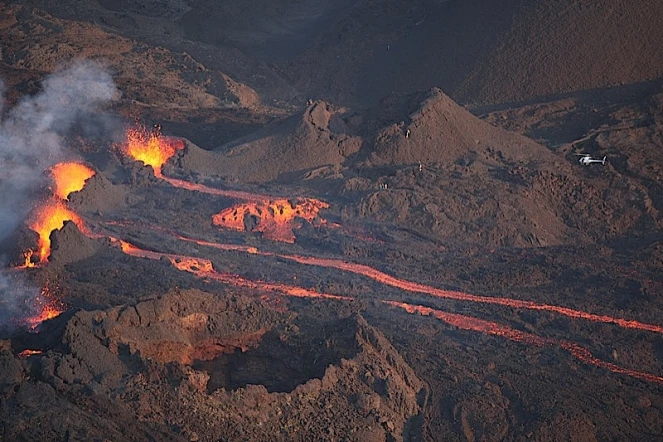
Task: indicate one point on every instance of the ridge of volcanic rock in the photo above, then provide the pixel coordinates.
(321, 135)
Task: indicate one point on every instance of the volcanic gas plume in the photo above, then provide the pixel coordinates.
(69, 177)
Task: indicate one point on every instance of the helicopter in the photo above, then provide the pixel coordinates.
(586, 159)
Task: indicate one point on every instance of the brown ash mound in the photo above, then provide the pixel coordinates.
(322, 135)
(441, 131)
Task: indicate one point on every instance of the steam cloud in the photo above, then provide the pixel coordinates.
(31, 140)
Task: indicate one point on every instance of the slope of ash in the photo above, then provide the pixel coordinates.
(321, 136)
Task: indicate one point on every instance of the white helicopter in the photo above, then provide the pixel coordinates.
(586, 159)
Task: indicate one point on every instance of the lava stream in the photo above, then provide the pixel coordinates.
(402, 284)
(203, 268)
(26, 353)
(234, 194)
(492, 328)
(153, 149)
(69, 177)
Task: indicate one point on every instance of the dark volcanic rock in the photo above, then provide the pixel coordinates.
(69, 245)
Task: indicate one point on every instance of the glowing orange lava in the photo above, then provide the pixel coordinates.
(402, 284)
(70, 177)
(493, 328)
(235, 194)
(203, 268)
(151, 149)
(275, 219)
(27, 256)
(49, 308)
(48, 218)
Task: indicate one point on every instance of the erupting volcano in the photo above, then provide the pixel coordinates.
(151, 148)
(69, 177)
(275, 219)
(48, 218)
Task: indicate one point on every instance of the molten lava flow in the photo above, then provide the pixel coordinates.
(461, 296)
(275, 219)
(469, 323)
(151, 148)
(402, 284)
(28, 263)
(70, 177)
(47, 305)
(203, 268)
(52, 217)
(235, 194)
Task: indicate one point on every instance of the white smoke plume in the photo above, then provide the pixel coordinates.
(31, 133)
(31, 140)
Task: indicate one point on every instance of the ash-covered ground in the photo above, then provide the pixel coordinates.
(324, 220)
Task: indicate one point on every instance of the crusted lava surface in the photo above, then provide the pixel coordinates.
(360, 221)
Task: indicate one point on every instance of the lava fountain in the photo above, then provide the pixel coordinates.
(48, 218)
(69, 177)
(152, 149)
(276, 219)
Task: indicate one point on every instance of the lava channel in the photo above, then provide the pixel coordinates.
(69, 178)
(493, 328)
(203, 268)
(381, 277)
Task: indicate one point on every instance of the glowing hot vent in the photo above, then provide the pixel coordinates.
(47, 305)
(151, 148)
(48, 218)
(69, 177)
